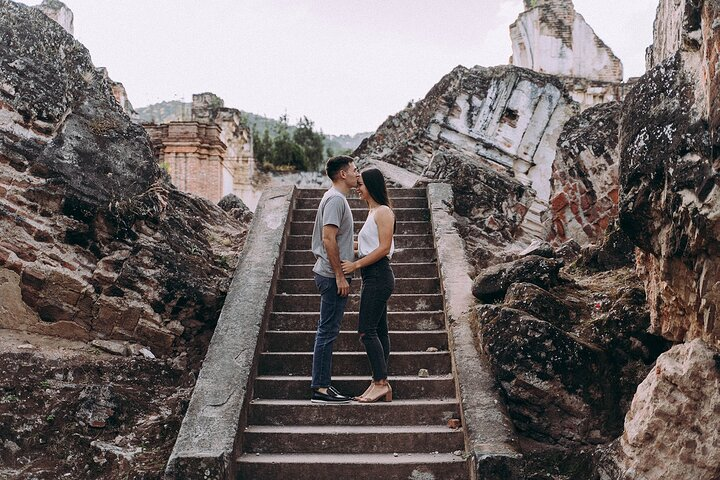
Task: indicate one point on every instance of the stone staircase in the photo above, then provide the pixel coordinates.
(286, 436)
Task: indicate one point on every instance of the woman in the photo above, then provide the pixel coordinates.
(375, 248)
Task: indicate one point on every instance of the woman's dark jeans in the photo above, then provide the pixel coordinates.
(378, 283)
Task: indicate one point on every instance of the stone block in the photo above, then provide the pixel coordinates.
(155, 336)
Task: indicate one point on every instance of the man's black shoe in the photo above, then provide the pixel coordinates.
(334, 391)
(332, 396)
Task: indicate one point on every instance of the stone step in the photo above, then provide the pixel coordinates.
(402, 228)
(392, 193)
(349, 341)
(332, 466)
(350, 439)
(356, 204)
(304, 242)
(426, 321)
(402, 285)
(401, 255)
(404, 387)
(355, 363)
(401, 214)
(397, 412)
(309, 302)
(402, 270)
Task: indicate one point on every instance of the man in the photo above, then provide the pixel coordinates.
(332, 242)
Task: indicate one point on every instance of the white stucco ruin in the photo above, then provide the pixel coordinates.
(551, 37)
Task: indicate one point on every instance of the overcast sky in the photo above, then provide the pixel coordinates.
(345, 64)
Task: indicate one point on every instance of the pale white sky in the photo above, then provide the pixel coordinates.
(345, 64)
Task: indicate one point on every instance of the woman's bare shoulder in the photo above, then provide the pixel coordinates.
(384, 210)
(384, 214)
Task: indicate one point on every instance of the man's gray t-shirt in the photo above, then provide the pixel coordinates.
(333, 210)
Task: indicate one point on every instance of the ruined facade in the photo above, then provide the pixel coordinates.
(501, 121)
(59, 12)
(551, 37)
(210, 154)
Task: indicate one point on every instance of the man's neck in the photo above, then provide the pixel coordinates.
(341, 187)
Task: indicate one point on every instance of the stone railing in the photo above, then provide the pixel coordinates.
(207, 443)
(489, 434)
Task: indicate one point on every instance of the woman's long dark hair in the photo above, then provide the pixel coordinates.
(375, 183)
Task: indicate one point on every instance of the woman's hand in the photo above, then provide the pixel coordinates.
(348, 267)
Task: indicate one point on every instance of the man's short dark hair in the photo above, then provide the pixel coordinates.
(336, 164)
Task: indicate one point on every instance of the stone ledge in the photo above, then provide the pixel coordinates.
(489, 433)
(205, 446)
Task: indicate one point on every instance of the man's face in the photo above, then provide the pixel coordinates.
(351, 175)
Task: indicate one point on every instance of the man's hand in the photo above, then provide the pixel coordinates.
(343, 286)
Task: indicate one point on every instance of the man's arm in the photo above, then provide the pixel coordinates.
(329, 240)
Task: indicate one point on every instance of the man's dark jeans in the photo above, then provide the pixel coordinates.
(378, 283)
(332, 309)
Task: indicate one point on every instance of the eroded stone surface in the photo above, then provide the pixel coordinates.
(551, 37)
(59, 12)
(505, 119)
(493, 282)
(585, 176)
(555, 385)
(672, 430)
(670, 179)
(95, 242)
(539, 303)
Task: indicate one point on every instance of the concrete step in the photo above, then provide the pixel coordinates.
(393, 193)
(404, 387)
(355, 363)
(310, 302)
(402, 228)
(402, 270)
(398, 412)
(401, 255)
(356, 204)
(350, 439)
(402, 285)
(304, 242)
(396, 320)
(349, 341)
(401, 214)
(359, 466)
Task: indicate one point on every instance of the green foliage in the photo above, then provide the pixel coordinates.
(289, 148)
(311, 142)
(332, 144)
(262, 146)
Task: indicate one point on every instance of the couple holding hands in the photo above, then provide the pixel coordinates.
(334, 250)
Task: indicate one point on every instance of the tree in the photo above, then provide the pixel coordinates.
(284, 150)
(262, 146)
(311, 142)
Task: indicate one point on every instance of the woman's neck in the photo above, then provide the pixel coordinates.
(372, 204)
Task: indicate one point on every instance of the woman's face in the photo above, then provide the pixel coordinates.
(362, 189)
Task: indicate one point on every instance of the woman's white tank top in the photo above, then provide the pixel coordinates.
(369, 239)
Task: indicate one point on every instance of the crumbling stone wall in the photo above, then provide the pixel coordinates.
(669, 178)
(210, 154)
(94, 242)
(504, 118)
(585, 176)
(551, 37)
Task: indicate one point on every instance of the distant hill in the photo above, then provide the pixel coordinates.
(175, 110)
(164, 112)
